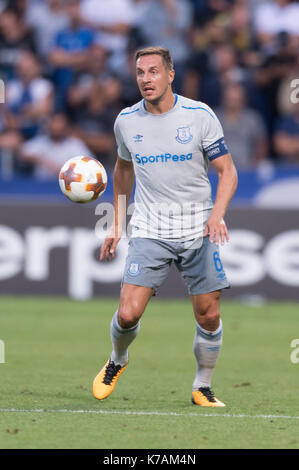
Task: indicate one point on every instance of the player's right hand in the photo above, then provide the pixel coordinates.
(108, 248)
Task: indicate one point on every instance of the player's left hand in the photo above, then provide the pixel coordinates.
(216, 229)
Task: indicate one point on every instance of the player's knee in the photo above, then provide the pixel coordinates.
(128, 316)
(209, 317)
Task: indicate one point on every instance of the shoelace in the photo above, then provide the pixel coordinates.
(207, 392)
(111, 371)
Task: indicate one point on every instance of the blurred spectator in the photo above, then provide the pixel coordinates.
(127, 75)
(15, 37)
(217, 23)
(113, 20)
(46, 18)
(219, 6)
(50, 150)
(243, 128)
(29, 96)
(205, 9)
(240, 25)
(93, 103)
(10, 136)
(274, 17)
(69, 53)
(19, 5)
(286, 137)
(10, 140)
(97, 73)
(209, 71)
(284, 103)
(210, 26)
(167, 22)
(269, 76)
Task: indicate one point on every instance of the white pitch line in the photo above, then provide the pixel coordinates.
(147, 413)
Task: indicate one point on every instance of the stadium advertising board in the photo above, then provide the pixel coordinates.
(52, 249)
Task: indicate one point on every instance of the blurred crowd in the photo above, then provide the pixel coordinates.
(68, 69)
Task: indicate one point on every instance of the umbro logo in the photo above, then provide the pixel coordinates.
(221, 276)
(138, 138)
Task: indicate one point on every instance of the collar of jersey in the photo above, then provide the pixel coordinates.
(161, 114)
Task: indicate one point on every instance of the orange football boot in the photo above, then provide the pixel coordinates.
(205, 397)
(105, 381)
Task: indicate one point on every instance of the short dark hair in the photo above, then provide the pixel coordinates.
(161, 51)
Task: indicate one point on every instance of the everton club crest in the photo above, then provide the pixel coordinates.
(184, 135)
(134, 269)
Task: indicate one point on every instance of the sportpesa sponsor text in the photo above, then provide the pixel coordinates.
(163, 158)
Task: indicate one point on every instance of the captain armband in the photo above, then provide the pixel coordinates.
(217, 149)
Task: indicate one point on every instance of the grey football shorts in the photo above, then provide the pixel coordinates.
(149, 260)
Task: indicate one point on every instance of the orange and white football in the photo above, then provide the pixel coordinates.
(82, 179)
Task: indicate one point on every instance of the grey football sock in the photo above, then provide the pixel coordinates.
(121, 339)
(206, 348)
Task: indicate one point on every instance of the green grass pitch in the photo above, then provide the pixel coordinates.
(54, 348)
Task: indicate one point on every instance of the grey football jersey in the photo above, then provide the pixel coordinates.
(170, 153)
